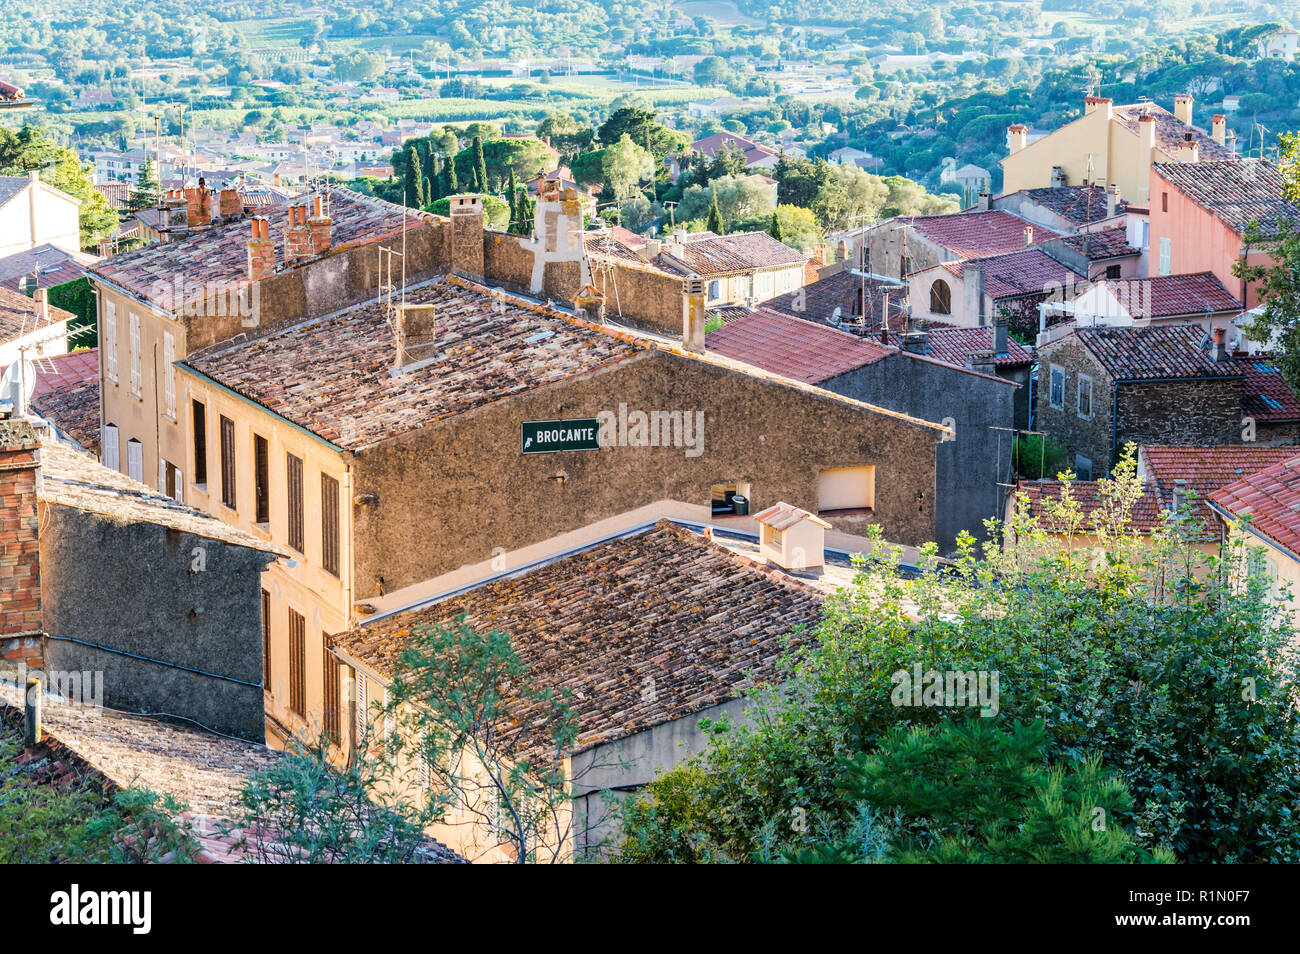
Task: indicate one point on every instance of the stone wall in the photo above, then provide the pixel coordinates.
(20, 571)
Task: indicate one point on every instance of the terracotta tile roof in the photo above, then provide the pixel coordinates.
(1145, 516)
(1265, 395)
(720, 255)
(1175, 351)
(1271, 499)
(54, 266)
(333, 375)
(67, 395)
(729, 313)
(1079, 204)
(807, 351)
(220, 254)
(1169, 130)
(752, 151)
(1016, 274)
(955, 345)
(74, 479)
(1101, 244)
(662, 605)
(1171, 296)
(608, 245)
(976, 234)
(1205, 469)
(18, 315)
(1239, 191)
(841, 290)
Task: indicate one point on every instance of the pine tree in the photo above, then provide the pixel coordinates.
(480, 167)
(715, 217)
(774, 228)
(414, 179)
(145, 193)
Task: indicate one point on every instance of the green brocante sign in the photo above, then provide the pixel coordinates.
(545, 437)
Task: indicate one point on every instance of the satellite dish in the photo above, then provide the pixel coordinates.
(16, 386)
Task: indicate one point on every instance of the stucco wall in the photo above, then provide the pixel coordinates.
(450, 495)
(148, 600)
(967, 465)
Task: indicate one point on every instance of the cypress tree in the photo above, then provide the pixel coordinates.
(480, 167)
(514, 204)
(452, 185)
(414, 179)
(715, 216)
(774, 228)
(435, 180)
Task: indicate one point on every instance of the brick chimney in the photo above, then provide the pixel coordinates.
(1219, 129)
(229, 204)
(1218, 344)
(1183, 107)
(20, 566)
(1189, 150)
(261, 250)
(297, 235)
(467, 236)
(321, 226)
(693, 314)
(1017, 137)
(42, 299)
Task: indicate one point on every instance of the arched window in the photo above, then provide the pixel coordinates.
(940, 298)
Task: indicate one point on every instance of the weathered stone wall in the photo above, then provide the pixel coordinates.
(449, 495)
(1090, 437)
(1200, 412)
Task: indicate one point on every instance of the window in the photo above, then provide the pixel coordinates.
(135, 460)
(841, 489)
(261, 479)
(329, 524)
(729, 499)
(715, 290)
(1082, 467)
(137, 374)
(170, 481)
(293, 473)
(1056, 390)
(1113, 271)
(110, 447)
(110, 342)
(169, 375)
(1084, 405)
(200, 443)
(1144, 234)
(940, 298)
(297, 663)
(1166, 250)
(227, 462)
(330, 703)
(266, 640)
(1164, 201)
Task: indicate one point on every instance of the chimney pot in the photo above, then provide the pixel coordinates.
(1180, 494)
(1183, 108)
(1218, 128)
(42, 298)
(693, 314)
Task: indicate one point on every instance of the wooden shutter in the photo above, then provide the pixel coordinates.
(266, 640)
(330, 723)
(293, 472)
(261, 479)
(228, 462)
(110, 449)
(135, 460)
(200, 443)
(329, 524)
(297, 663)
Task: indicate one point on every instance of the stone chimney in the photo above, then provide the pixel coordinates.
(693, 314)
(297, 236)
(917, 339)
(1183, 107)
(20, 558)
(1000, 335)
(1017, 137)
(261, 250)
(321, 226)
(1029, 235)
(589, 303)
(1180, 494)
(42, 299)
(414, 330)
(467, 236)
(229, 205)
(1112, 201)
(1219, 129)
(985, 201)
(841, 251)
(1058, 178)
(983, 362)
(972, 289)
(1189, 150)
(1092, 104)
(1218, 344)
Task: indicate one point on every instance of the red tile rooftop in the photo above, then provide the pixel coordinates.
(1205, 469)
(1017, 274)
(793, 347)
(1144, 517)
(18, 315)
(1271, 501)
(722, 254)
(1172, 351)
(976, 234)
(333, 375)
(955, 345)
(1174, 296)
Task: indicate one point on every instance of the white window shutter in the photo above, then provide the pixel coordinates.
(110, 342)
(135, 460)
(162, 476)
(180, 485)
(361, 706)
(169, 373)
(109, 450)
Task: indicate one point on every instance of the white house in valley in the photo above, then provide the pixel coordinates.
(34, 213)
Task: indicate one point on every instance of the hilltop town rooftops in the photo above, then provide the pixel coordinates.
(219, 255)
(18, 315)
(1029, 271)
(1102, 244)
(804, 350)
(1240, 192)
(1080, 204)
(976, 234)
(1169, 130)
(49, 264)
(664, 605)
(67, 395)
(333, 375)
(723, 254)
(1170, 296)
(843, 290)
(954, 345)
(1136, 354)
